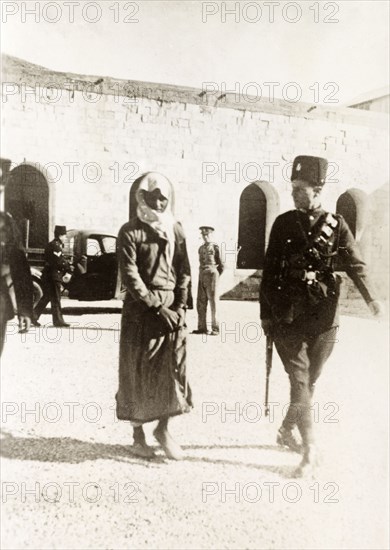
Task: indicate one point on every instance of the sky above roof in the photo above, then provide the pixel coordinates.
(319, 52)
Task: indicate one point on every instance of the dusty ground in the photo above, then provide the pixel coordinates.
(69, 480)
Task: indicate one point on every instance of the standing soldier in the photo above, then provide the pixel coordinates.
(55, 268)
(14, 272)
(299, 295)
(210, 269)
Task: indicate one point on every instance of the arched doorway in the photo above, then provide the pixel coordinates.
(27, 199)
(251, 231)
(259, 206)
(353, 206)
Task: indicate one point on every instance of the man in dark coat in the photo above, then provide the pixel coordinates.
(55, 268)
(15, 273)
(299, 295)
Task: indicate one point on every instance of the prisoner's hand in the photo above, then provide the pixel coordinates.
(266, 325)
(182, 316)
(24, 323)
(376, 308)
(169, 318)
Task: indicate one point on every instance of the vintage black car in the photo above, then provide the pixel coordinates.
(96, 274)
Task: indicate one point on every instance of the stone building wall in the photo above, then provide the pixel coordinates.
(93, 136)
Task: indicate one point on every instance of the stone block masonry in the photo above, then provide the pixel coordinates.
(93, 140)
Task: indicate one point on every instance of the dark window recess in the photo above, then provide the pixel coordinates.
(346, 206)
(251, 232)
(353, 206)
(27, 199)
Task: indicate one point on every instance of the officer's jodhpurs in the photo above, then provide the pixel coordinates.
(207, 292)
(303, 356)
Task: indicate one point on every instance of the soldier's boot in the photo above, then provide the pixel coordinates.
(35, 321)
(288, 437)
(140, 447)
(309, 464)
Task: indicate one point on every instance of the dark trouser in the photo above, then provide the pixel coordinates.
(303, 355)
(51, 293)
(6, 312)
(3, 327)
(207, 293)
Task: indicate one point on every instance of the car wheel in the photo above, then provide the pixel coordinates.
(37, 292)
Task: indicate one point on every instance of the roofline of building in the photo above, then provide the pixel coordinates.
(354, 105)
(19, 72)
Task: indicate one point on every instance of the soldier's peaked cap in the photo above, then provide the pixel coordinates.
(310, 169)
(60, 230)
(206, 227)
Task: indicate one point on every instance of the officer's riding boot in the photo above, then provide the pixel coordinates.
(140, 447)
(309, 463)
(288, 436)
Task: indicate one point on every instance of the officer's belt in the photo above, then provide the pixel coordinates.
(305, 274)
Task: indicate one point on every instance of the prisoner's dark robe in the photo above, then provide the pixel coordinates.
(152, 365)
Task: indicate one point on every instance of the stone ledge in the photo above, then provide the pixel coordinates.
(18, 71)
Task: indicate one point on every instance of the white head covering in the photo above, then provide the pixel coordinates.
(161, 222)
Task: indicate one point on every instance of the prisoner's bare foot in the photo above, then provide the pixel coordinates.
(171, 448)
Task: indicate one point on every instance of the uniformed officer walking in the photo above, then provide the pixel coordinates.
(55, 268)
(210, 269)
(299, 296)
(15, 272)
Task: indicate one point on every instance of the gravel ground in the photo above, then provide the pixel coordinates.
(70, 481)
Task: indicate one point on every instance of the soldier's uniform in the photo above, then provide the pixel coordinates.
(300, 291)
(15, 272)
(210, 269)
(55, 268)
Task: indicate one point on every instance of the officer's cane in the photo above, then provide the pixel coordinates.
(268, 364)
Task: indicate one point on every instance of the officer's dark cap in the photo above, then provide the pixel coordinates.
(310, 169)
(206, 228)
(59, 230)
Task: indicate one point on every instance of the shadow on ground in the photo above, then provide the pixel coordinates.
(85, 310)
(75, 451)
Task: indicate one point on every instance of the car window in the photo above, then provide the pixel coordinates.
(93, 247)
(109, 244)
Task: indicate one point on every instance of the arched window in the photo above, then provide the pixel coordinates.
(259, 205)
(353, 206)
(27, 199)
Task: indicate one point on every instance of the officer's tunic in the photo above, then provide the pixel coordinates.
(55, 268)
(305, 315)
(152, 365)
(15, 271)
(210, 268)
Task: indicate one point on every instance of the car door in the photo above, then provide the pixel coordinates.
(96, 269)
